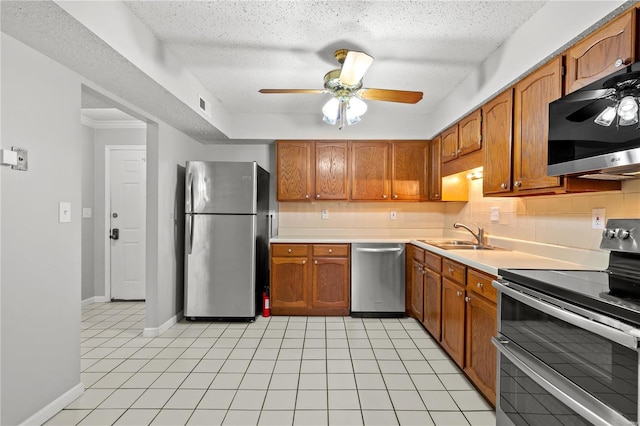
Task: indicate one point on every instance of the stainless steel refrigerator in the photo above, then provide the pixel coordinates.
(227, 241)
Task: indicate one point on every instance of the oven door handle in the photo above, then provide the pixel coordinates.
(625, 339)
(568, 393)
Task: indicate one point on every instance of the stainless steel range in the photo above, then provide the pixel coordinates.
(568, 341)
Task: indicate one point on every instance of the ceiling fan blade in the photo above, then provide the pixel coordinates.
(586, 112)
(354, 67)
(588, 95)
(402, 96)
(304, 91)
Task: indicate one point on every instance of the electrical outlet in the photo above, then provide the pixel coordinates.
(597, 219)
(393, 215)
(495, 214)
(325, 214)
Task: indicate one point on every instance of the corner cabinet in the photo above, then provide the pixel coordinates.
(310, 279)
(435, 169)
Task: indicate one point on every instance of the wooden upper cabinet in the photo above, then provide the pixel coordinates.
(294, 171)
(435, 169)
(469, 133)
(497, 131)
(409, 171)
(370, 170)
(531, 127)
(449, 141)
(601, 53)
(331, 170)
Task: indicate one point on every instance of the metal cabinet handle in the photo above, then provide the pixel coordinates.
(395, 196)
(458, 293)
(330, 250)
(384, 196)
(467, 299)
(317, 195)
(289, 251)
(315, 262)
(304, 262)
(619, 62)
(458, 151)
(479, 285)
(503, 185)
(451, 270)
(436, 195)
(306, 196)
(517, 183)
(424, 271)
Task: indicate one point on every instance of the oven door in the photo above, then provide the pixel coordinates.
(560, 364)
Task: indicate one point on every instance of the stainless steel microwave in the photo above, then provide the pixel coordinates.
(595, 131)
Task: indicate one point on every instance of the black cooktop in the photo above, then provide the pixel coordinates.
(601, 291)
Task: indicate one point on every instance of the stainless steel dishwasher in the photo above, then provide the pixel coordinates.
(377, 280)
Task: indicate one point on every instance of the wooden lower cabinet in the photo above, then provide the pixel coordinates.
(310, 279)
(480, 354)
(458, 310)
(453, 324)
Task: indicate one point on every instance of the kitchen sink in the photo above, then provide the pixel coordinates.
(460, 245)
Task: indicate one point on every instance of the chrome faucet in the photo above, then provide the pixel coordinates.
(479, 236)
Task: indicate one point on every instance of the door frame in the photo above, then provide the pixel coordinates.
(107, 210)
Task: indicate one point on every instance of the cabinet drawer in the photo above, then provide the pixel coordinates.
(331, 250)
(454, 271)
(418, 254)
(433, 261)
(289, 250)
(481, 283)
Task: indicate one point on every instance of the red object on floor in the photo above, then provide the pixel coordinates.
(266, 310)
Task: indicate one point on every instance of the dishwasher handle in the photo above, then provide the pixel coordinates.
(379, 250)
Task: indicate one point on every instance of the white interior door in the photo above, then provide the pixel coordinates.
(128, 182)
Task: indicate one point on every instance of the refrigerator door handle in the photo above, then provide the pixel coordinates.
(189, 202)
(190, 225)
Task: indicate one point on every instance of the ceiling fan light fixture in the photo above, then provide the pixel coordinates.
(606, 117)
(628, 111)
(330, 111)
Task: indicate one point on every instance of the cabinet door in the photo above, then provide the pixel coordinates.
(331, 170)
(435, 169)
(330, 287)
(603, 52)
(480, 354)
(370, 170)
(432, 304)
(417, 290)
(497, 131)
(293, 170)
(289, 285)
(409, 171)
(469, 133)
(450, 144)
(453, 308)
(531, 127)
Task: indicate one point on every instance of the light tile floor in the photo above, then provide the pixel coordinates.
(274, 371)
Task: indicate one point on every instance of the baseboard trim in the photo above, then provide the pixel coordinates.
(55, 406)
(157, 331)
(94, 299)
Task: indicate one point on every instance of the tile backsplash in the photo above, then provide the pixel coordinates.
(555, 219)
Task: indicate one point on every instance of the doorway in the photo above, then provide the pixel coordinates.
(125, 208)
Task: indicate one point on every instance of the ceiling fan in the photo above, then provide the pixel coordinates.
(345, 84)
(618, 97)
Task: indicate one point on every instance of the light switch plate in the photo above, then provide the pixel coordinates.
(64, 212)
(495, 214)
(393, 215)
(597, 218)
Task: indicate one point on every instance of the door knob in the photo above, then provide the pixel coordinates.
(115, 234)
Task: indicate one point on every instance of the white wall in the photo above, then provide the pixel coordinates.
(41, 260)
(87, 225)
(167, 151)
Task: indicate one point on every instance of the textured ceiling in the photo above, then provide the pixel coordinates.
(236, 48)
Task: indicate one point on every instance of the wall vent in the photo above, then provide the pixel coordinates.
(204, 105)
